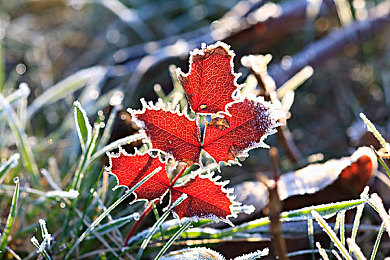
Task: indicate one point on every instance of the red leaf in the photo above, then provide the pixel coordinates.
(225, 138)
(170, 131)
(130, 169)
(206, 199)
(250, 122)
(210, 83)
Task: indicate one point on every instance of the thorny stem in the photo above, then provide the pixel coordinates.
(275, 208)
(136, 224)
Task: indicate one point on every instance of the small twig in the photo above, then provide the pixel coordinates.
(275, 208)
(258, 66)
(285, 139)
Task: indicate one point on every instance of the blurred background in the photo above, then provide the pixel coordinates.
(133, 43)
(110, 52)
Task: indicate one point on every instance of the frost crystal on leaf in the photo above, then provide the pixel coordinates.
(130, 169)
(211, 84)
(170, 131)
(207, 199)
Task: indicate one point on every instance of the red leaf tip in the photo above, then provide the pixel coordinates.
(169, 130)
(211, 83)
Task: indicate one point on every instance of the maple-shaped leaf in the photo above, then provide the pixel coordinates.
(169, 131)
(206, 199)
(211, 84)
(130, 169)
(249, 123)
(225, 138)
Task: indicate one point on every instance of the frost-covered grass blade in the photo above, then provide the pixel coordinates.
(10, 219)
(84, 129)
(9, 164)
(172, 239)
(328, 230)
(64, 88)
(108, 210)
(22, 140)
(157, 225)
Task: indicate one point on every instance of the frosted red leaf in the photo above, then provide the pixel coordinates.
(169, 131)
(130, 169)
(250, 121)
(210, 85)
(172, 132)
(206, 199)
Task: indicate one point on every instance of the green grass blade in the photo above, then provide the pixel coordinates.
(172, 239)
(322, 252)
(305, 252)
(108, 128)
(328, 230)
(109, 209)
(10, 219)
(157, 216)
(355, 249)
(341, 215)
(338, 257)
(40, 248)
(113, 145)
(376, 202)
(158, 223)
(359, 212)
(8, 165)
(90, 199)
(2, 67)
(22, 92)
(310, 234)
(65, 87)
(382, 162)
(371, 127)
(22, 140)
(84, 129)
(377, 241)
(85, 159)
(326, 210)
(116, 223)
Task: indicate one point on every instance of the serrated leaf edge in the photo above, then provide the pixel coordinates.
(228, 191)
(274, 114)
(137, 152)
(236, 93)
(160, 105)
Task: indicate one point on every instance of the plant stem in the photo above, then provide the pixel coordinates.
(136, 224)
(179, 175)
(275, 208)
